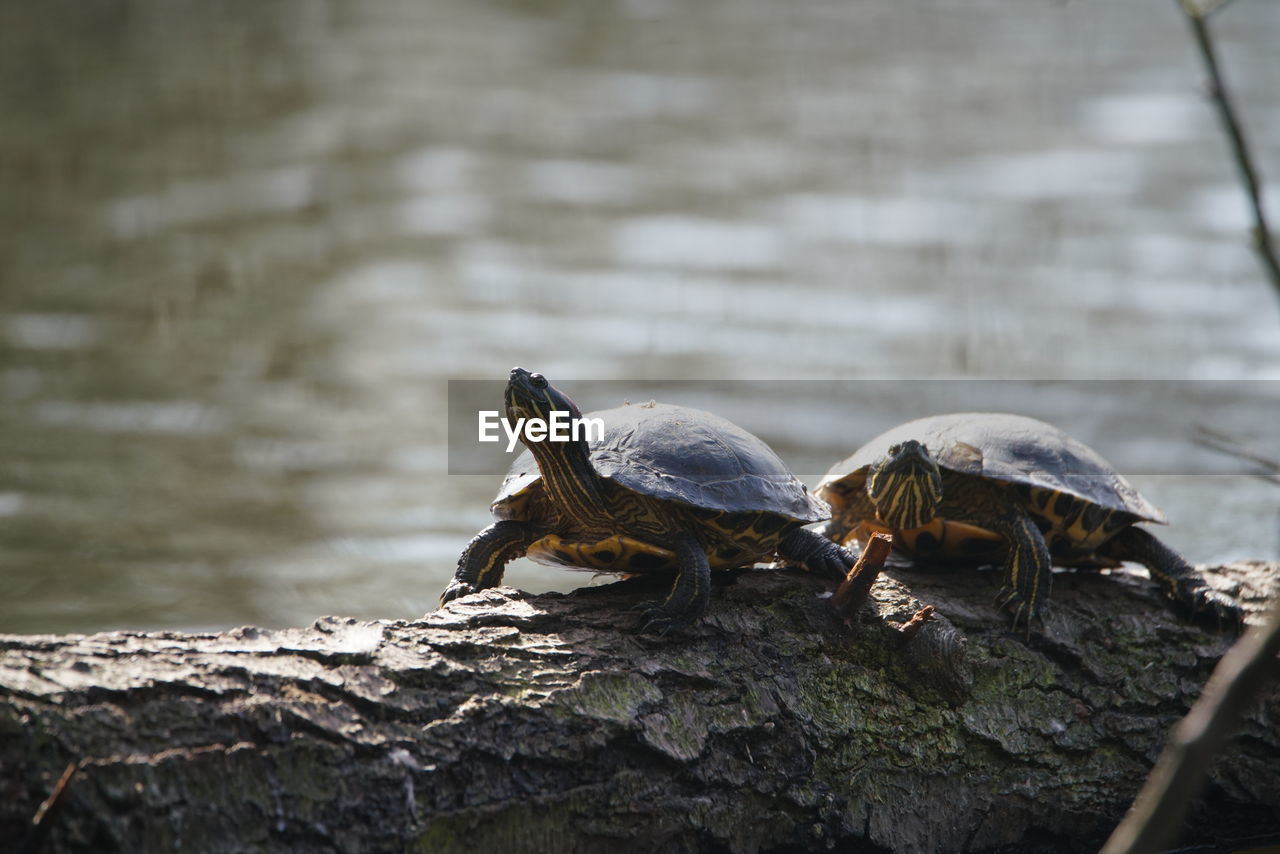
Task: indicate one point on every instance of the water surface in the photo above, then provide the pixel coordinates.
(245, 247)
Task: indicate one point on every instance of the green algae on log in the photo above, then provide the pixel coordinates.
(515, 722)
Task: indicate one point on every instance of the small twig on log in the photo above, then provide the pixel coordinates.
(1157, 814)
(1198, 16)
(40, 823)
(852, 593)
(912, 627)
(1225, 443)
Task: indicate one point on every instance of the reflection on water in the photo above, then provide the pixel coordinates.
(242, 252)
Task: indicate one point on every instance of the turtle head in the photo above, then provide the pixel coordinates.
(905, 486)
(529, 395)
(565, 466)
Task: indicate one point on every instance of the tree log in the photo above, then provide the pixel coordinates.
(512, 722)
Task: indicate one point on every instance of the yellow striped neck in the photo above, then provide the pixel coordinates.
(570, 480)
(903, 499)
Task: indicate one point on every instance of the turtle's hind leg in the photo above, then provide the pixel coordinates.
(487, 555)
(1177, 578)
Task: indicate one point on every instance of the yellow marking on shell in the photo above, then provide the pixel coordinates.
(1072, 527)
(612, 554)
(759, 536)
(625, 554)
(1092, 538)
(953, 539)
(1042, 500)
(1083, 538)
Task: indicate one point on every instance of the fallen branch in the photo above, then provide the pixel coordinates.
(514, 722)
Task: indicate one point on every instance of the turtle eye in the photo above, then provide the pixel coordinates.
(538, 380)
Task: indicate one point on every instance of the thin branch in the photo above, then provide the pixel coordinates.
(1198, 18)
(1207, 9)
(1156, 817)
(1268, 467)
(853, 591)
(41, 821)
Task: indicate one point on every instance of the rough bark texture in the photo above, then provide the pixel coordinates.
(511, 722)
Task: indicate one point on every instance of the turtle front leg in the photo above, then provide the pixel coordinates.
(1177, 578)
(689, 595)
(836, 529)
(1028, 570)
(816, 552)
(487, 555)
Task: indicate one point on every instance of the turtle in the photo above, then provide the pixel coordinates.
(986, 487)
(666, 488)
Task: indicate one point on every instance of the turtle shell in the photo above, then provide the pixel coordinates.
(1012, 448)
(679, 454)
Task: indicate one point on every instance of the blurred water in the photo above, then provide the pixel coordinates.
(243, 248)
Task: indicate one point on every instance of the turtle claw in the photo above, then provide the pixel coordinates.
(455, 590)
(1024, 612)
(658, 620)
(645, 610)
(842, 561)
(829, 567)
(1206, 604)
(834, 563)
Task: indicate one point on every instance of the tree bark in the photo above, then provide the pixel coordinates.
(512, 722)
